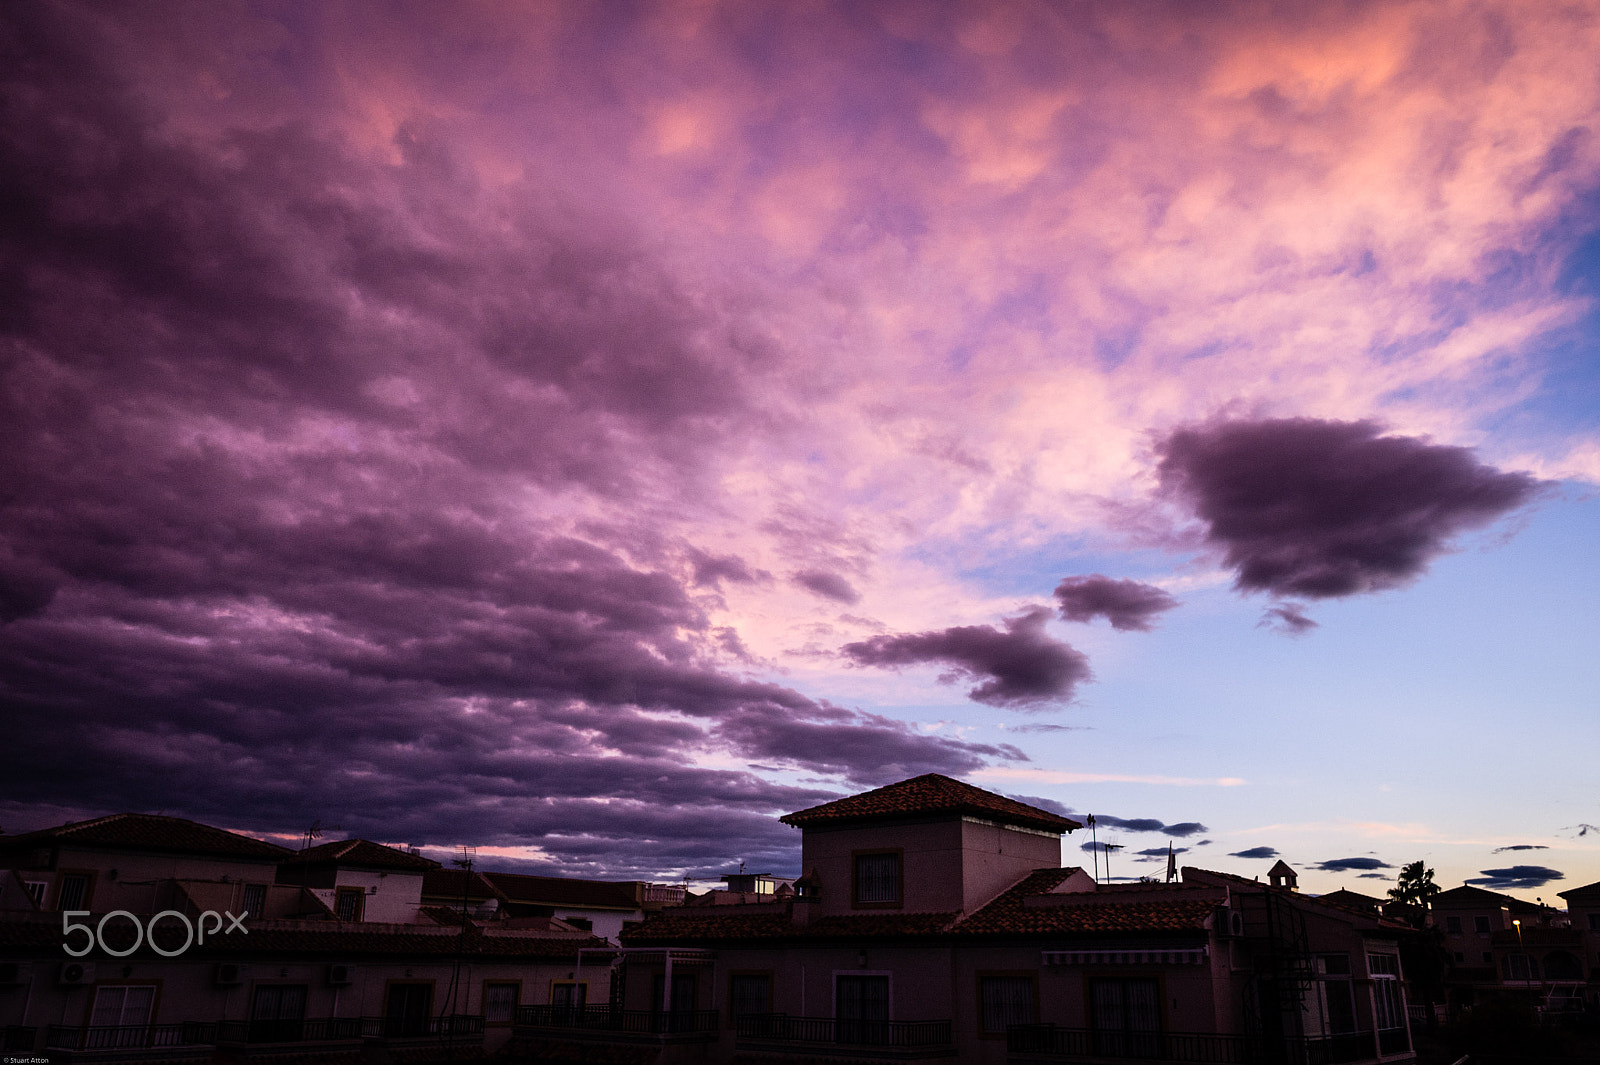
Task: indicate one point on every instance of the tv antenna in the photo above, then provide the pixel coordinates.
(316, 830)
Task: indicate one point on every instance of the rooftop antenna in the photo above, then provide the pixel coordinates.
(469, 856)
(1109, 848)
(315, 832)
(1094, 848)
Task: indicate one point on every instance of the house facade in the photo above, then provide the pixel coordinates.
(934, 921)
(139, 938)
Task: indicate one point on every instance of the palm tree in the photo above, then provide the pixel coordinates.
(1414, 886)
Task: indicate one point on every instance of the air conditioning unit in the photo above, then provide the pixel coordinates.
(341, 975)
(76, 973)
(228, 974)
(14, 972)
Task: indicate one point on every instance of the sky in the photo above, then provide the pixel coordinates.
(587, 431)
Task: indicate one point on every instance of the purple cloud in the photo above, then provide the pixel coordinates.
(278, 535)
(1320, 509)
(827, 584)
(1020, 667)
(1130, 606)
(1521, 847)
(1516, 877)
(1255, 852)
(1287, 618)
(1182, 829)
(1345, 865)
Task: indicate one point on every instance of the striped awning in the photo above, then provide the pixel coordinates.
(1166, 956)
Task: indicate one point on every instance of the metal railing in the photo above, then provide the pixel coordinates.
(129, 1036)
(1049, 1040)
(603, 1018)
(18, 1037)
(782, 1028)
(350, 1029)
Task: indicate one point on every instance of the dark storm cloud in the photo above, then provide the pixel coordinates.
(1182, 829)
(1521, 847)
(1516, 876)
(827, 584)
(1255, 852)
(1287, 618)
(1304, 507)
(710, 569)
(1019, 668)
(1345, 865)
(269, 542)
(1128, 605)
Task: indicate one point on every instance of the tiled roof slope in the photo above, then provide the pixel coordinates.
(453, 883)
(561, 891)
(150, 832)
(675, 925)
(931, 793)
(1466, 895)
(1584, 894)
(1007, 914)
(363, 853)
(1326, 904)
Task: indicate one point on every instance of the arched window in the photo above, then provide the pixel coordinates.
(1559, 965)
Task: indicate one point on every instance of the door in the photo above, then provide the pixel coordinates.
(861, 1009)
(277, 1014)
(1127, 1017)
(681, 1007)
(408, 1008)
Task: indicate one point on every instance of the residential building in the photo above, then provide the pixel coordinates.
(934, 920)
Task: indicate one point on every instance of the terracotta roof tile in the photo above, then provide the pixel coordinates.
(564, 891)
(149, 832)
(931, 793)
(1008, 914)
(672, 926)
(363, 853)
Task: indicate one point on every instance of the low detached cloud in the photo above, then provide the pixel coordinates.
(1287, 618)
(1182, 829)
(1521, 847)
(1017, 668)
(1130, 606)
(1255, 852)
(1516, 876)
(1349, 865)
(1321, 509)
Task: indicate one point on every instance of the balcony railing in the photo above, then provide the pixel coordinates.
(460, 1027)
(603, 1018)
(129, 1036)
(782, 1028)
(1049, 1040)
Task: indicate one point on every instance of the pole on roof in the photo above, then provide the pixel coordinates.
(1094, 848)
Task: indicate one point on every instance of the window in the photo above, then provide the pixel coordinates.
(277, 1013)
(122, 1005)
(749, 993)
(1333, 1010)
(407, 1009)
(1461, 959)
(74, 892)
(1480, 925)
(347, 904)
(1453, 925)
(1594, 922)
(1488, 957)
(683, 992)
(36, 888)
(1126, 1015)
(1520, 967)
(576, 995)
(861, 1009)
(877, 879)
(1386, 998)
(1004, 1001)
(500, 1003)
(255, 900)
